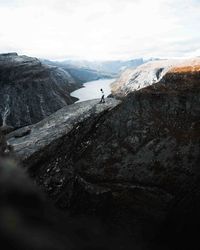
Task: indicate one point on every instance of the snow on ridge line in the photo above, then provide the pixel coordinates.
(150, 73)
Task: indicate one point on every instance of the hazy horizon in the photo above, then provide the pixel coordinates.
(100, 30)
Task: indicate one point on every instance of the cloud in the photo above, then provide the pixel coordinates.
(106, 29)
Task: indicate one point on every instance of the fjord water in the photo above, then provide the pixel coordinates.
(91, 90)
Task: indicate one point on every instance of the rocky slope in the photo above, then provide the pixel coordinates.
(31, 140)
(30, 221)
(144, 141)
(147, 74)
(139, 160)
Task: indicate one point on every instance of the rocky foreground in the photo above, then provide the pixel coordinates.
(136, 162)
(29, 141)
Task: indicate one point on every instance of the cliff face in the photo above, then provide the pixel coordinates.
(30, 90)
(28, 142)
(137, 159)
(146, 147)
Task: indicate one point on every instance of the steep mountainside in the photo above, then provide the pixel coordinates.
(138, 160)
(31, 90)
(147, 74)
(140, 147)
(28, 142)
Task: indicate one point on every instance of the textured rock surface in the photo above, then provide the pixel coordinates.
(30, 221)
(30, 90)
(30, 140)
(139, 160)
(140, 154)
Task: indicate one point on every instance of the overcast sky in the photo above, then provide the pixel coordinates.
(100, 29)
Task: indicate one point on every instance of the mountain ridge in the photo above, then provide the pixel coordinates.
(30, 90)
(150, 73)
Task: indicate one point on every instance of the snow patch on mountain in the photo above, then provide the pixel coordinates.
(148, 74)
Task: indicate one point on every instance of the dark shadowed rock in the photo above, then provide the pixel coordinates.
(138, 150)
(29, 221)
(138, 159)
(5, 149)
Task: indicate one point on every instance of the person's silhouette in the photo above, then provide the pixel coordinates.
(102, 97)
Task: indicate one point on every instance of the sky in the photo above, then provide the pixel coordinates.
(100, 29)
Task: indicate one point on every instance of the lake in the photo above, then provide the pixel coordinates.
(91, 90)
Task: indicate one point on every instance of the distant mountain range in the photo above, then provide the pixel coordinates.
(80, 72)
(108, 67)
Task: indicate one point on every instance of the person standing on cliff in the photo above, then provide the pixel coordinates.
(102, 97)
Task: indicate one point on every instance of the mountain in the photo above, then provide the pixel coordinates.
(135, 161)
(146, 74)
(30, 89)
(109, 67)
(29, 221)
(81, 73)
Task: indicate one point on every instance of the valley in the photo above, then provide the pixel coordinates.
(91, 90)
